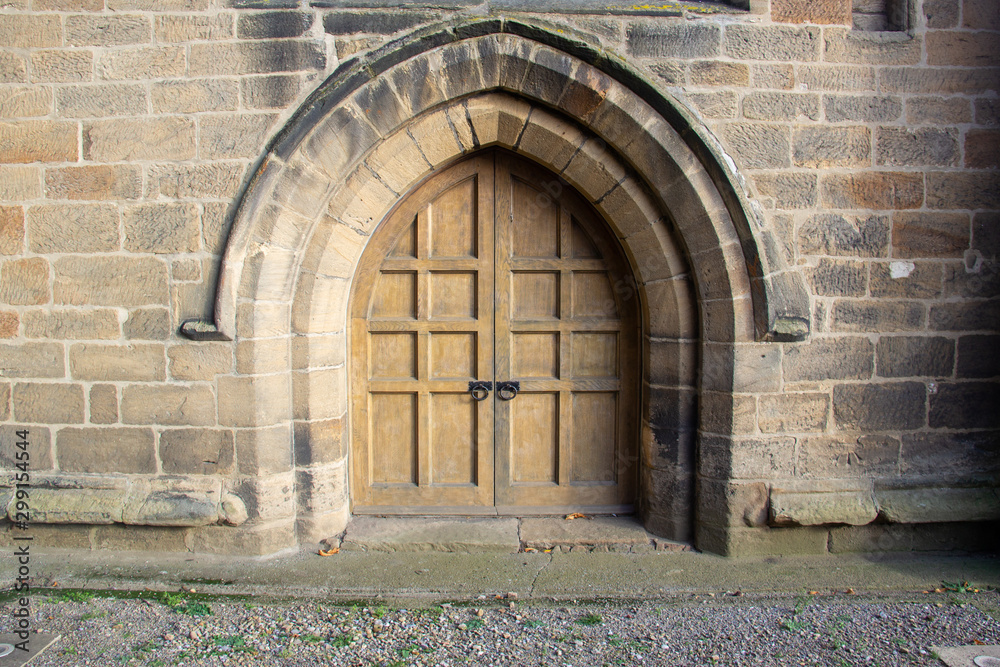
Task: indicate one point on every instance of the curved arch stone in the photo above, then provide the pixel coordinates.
(706, 270)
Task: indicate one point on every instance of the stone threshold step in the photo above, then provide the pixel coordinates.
(621, 534)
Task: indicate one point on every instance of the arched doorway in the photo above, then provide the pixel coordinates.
(494, 350)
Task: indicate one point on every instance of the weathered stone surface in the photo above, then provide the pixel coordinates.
(965, 405)
(215, 180)
(347, 23)
(875, 190)
(37, 141)
(117, 363)
(65, 499)
(243, 402)
(921, 234)
(103, 30)
(848, 456)
(269, 498)
(172, 502)
(963, 190)
(263, 451)
(930, 505)
(140, 538)
(103, 404)
(123, 140)
(26, 102)
(951, 455)
(143, 63)
(106, 450)
(11, 230)
(788, 190)
(793, 413)
(91, 182)
(842, 358)
(189, 96)
(75, 227)
(256, 57)
(110, 281)
(258, 541)
(819, 503)
(17, 182)
(957, 536)
(844, 235)
(173, 405)
(10, 322)
(320, 441)
(48, 403)
(824, 11)
(722, 104)
(39, 446)
(965, 316)
(962, 49)
(273, 25)
(420, 534)
(32, 360)
(197, 451)
(905, 280)
(675, 40)
(880, 407)
(60, 66)
(870, 48)
(23, 31)
(233, 135)
(862, 108)
(759, 146)
(199, 361)
(24, 282)
(914, 356)
(147, 324)
(938, 110)
(716, 73)
(322, 489)
(183, 28)
(765, 457)
(162, 228)
(781, 106)
(827, 147)
(837, 277)
(13, 68)
(270, 92)
(746, 42)
(905, 147)
(982, 149)
(978, 356)
(878, 316)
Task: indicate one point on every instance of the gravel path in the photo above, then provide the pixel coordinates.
(717, 629)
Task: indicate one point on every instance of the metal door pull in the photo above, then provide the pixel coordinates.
(508, 390)
(480, 389)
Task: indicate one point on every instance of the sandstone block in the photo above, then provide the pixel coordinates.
(270, 92)
(39, 448)
(24, 282)
(950, 454)
(715, 73)
(673, 40)
(59, 66)
(94, 183)
(838, 277)
(836, 12)
(262, 451)
(930, 234)
(117, 363)
(938, 110)
(219, 180)
(173, 502)
(875, 190)
(190, 96)
(937, 80)
(37, 141)
(862, 108)
(13, 68)
(170, 405)
(961, 49)
(322, 489)
(106, 450)
(101, 100)
(197, 451)
(77, 227)
(781, 43)
(256, 57)
(878, 316)
(837, 78)
(11, 230)
(982, 149)
(739, 542)
(980, 15)
(870, 48)
(254, 401)
(965, 405)
(110, 281)
(193, 28)
(48, 403)
(845, 235)
(159, 5)
(104, 30)
(913, 356)
(826, 147)
(140, 538)
(32, 360)
(921, 147)
(788, 190)
(763, 457)
(68, 5)
(9, 323)
(258, 541)
(199, 361)
(142, 63)
(848, 456)
(17, 182)
(162, 228)
(25, 31)
(759, 146)
(103, 404)
(722, 104)
(905, 280)
(25, 102)
(384, 23)
(979, 356)
(941, 13)
(147, 324)
(226, 136)
(963, 190)
(816, 504)
(273, 25)
(965, 316)
(880, 407)
(931, 505)
(122, 140)
(269, 498)
(781, 106)
(849, 357)
(793, 413)
(66, 499)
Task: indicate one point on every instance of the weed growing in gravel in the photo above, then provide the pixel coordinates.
(533, 624)
(474, 624)
(93, 614)
(342, 640)
(181, 605)
(590, 619)
(380, 611)
(792, 625)
(312, 639)
(73, 596)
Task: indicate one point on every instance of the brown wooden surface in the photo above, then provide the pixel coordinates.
(493, 270)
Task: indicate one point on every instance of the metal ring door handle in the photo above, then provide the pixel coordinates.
(480, 389)
(508, 390)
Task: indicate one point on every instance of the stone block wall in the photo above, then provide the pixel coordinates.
(129, 130)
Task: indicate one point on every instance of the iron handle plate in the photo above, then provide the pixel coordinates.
(508, 390)
(480, 389)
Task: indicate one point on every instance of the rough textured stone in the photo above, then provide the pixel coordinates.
(37, 141)
(110, 281)
(171, 405)
(848, 456)
(878, 316)
(147, 324)
(64, 499)
(103, 404)
(844, 235)
(421, 534)
(117, 363)
(172, 502)
(140, 538)
(905, 280)
(862, 108)
(162, 228)
(189, 96)
(233, 135)
(921, 147)
(181, 28)
(220, 180)
(347, 23)
(100, 30)
(837, 277)
(72, 324)
(965, 405)
(964, 190)
(842, 358)
(199, 361)
(91, 182)
(26, 102)
(676, 40)
(821, 11)
(106, 450)
(746, 42)
(759, 146)
(962, 49)
(10, 322)
(39, 447)
(781, 106)
(144, 63)
(793, 413)
(930, 234)
(270, 92)
(197, 451)
(823, 504)
(32, 360)
(11, 230)
(242, 403)
(841, 78)
(255, 57)
(929, 505)
(74, 227)
(978, 356)
(826, 147)
(273, 25)
(715, 73)
(788, 190)
(880, 407)
(166, 138)
(882, 48)
(938, 110)
(875, 190)
(24, 282)
(17, 182)
(913, 356)
(22, 31)
(982, 149)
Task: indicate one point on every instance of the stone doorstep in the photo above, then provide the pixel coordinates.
(10, 656)
(965, 656)
(501, 535)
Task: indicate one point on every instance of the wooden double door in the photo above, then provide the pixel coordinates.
(494, 335)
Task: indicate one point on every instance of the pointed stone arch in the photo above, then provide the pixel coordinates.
(710, 277)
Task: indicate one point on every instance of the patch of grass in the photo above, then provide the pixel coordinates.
(93, 614)
(231, 640)
(380, 611)
(533, 624)
(792, 625)
(73, 596)
(614, 640)
(959, 587)
(474, 624)
(312, 639)
(407, 651)
(342, 640)
(590, 619)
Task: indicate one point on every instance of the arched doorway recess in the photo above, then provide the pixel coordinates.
(712, 281)
(494, 351)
